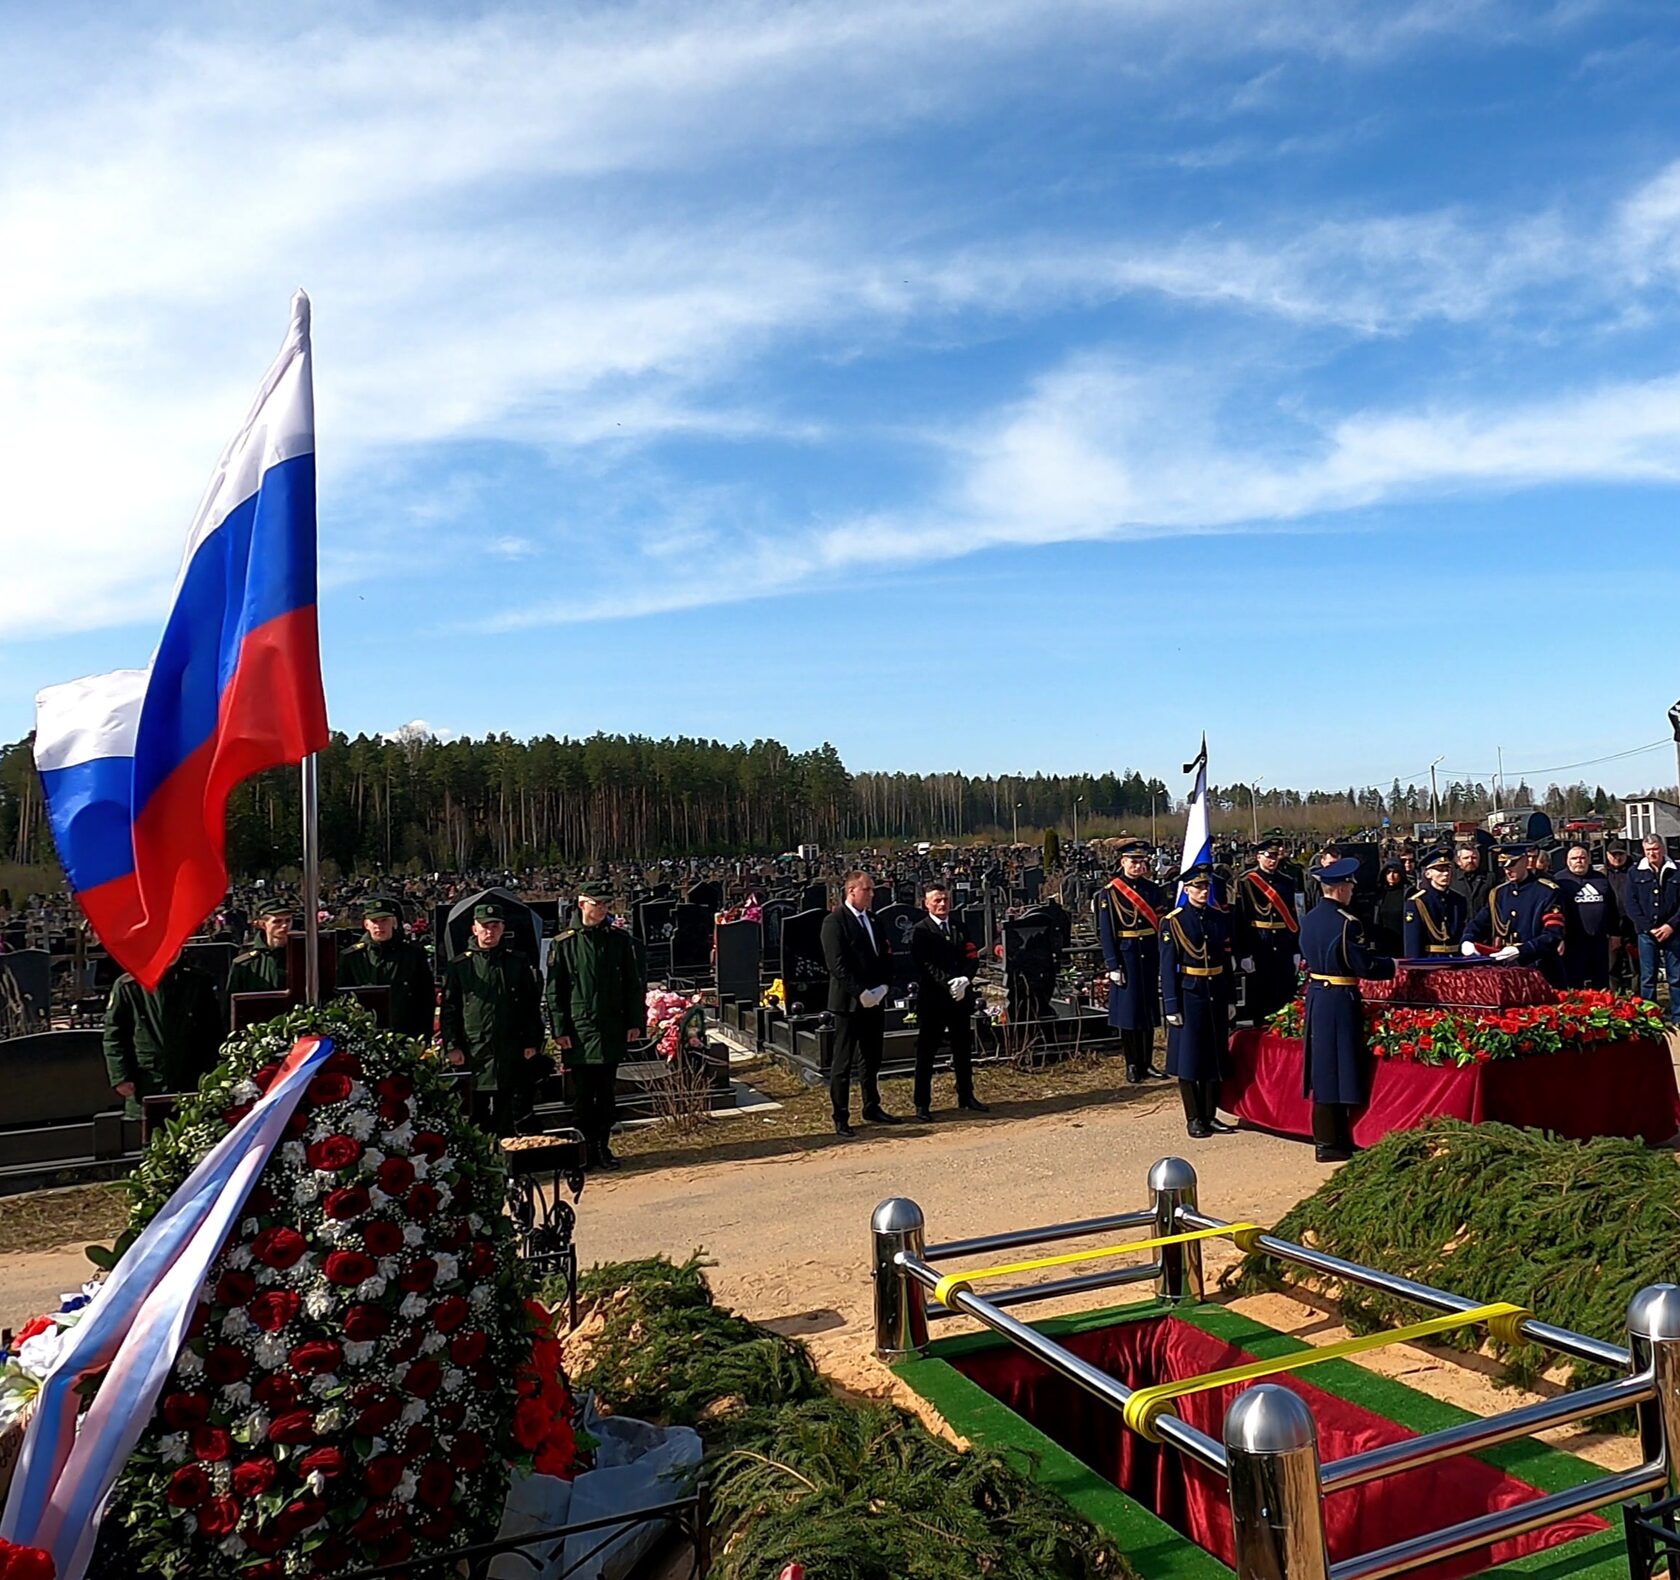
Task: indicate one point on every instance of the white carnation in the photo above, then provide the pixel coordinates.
(173, 1448)
(475, 1223)
(250, 1228)
(271, 1351)
(358, 1097)
(405, 1489)
(317, 1482)
(189, 1363)
(454, 1381)
(359, 1124)
(414, 1307)
(388, 1266)
(422, 1166)
(329, 1420)
(413, 1412)
(245, 1092)
(481, 1296)
(377, 1198)
(371, 1159)
(268, 1275)
(307, 1189)
(448, 1267)
(294, 1155)
(413, 1234)
(371, 1288)
(332, 1230)
(236, 1322)
(221, 1477)
(358, 1352)
(237, 1395)
(401, 1136)
(445, 1194)
(254, 1425)
(432, 1343)
(239, 1257)
(318, 1299)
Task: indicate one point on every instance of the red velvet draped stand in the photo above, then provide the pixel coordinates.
(1612, 1089)
(1194, 1501)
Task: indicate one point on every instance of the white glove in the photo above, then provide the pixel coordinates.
(1468, 948)
(1509, 952)
(1246, 965)
(959, 988)
(1118, 978)
(1175, 1020)
(870, 997)
(1230, 1012)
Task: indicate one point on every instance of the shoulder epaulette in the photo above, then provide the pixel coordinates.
(570, 932)
(1177, 910)
(360, 943)
(250, 954)
(1550, 883)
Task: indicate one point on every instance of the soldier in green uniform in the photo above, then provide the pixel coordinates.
(597, 1004)
(163, 1041)
(384, 958)
(262, 967)
(492, 1018)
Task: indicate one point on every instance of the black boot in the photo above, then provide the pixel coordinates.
(1210, 1109)
(1195, 1126)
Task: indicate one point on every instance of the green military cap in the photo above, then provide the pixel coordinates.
(275, 906)
(382, 905)
(594, 889)
(489, 911)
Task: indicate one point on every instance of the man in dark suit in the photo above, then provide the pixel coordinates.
(856, 955)
(945, 963)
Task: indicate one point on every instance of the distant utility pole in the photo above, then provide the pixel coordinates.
(1254, 808)
(1499, 780)
(1434, 797)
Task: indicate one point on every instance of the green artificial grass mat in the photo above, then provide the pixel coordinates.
(1155, 1549)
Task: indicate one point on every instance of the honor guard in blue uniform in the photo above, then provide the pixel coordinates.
(1435, 912)
(1196, 991)
(1523, 919)
(1265, 932)
(1129, 912)
(1338, 1062)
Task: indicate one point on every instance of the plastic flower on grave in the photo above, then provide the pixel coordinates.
(34, 1350)
(346, 1393)
(25, 1563)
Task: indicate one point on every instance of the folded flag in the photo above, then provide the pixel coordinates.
(137, 765)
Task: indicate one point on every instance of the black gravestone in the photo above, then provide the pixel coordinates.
(738, 946)
(976, 923)
(548, 913)
(213, 960)
(654, 921)
(894, 924)
(774, 913)
(708, 894)
(26, 992)
(1032, 882)
(691, 939)
(906, 892)
(1032, 953)
(804, 973)
(815, 897)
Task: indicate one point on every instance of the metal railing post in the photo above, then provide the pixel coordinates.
(1172, 1184)
(1653, 1325)
(1277, 1503)
(900, 1302)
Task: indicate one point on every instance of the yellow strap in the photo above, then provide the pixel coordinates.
(1137, 932)
(1330, 981)
(1148, 1403)
(1243, 1233)
(1203, 971)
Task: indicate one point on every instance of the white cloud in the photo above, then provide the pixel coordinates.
(419, 730)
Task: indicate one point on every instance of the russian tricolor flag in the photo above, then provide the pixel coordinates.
(137, 765)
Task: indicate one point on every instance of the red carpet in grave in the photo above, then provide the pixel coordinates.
(1194, 1501)
(1620, 1089)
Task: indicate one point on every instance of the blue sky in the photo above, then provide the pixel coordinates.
(994, 384)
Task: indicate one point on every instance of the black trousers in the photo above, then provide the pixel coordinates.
(1200, 1099)
(595, 1090)
(857, 1047)
(1333, 1126)
(1138, 1047)
(930, 1030)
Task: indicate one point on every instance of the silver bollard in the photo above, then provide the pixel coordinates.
(1172, 1183)
(1653, 1325)
(900, 1302)
(1277, 1499)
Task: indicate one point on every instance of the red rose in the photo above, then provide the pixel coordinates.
(264, 1078)
(424, 1377)
(436, 1484)
(530, 1423)
(382, 1237)
(394, 1176)
(464, 1195)
(429, 1144)
(219, 1517)
(483, 1258)
(328, 1087)
(396, 1547)
(452, 1235)
(334, 1152)
(318, 1355)
(295, 1426)
(224, 1364)
(274, 1308)
(211, 1443)
(188, 1487)
(470, 1451)
(253, 1477)
(399, 1088)
(407, 1347)
(435, 1523)
(200, 1319)
(362, 1323)
(277, 1391)
(329, 1461)
(268, 1569)
(449, 1313)
(298, 1515)
(183, 1411)
(349, 1201)
(422, 1201)
(269, 1539)
(341, 1064)
(467, 1349)
(232, 1116)
(348, 1268)
(279, 1247)
(377, 1415)
(418, 1441)
(297, 1124)
(381, 1474)
(235, 1289)
(418, 1276)
(391, 1112)
(450, 1416)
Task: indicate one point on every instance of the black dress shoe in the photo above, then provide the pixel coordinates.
(1197, 1130)
(1331, 1155)
(1136, 1077)
(1156, 1075)
(841, 1128)
(975, 1106)
(879, 1116)
(1220, 1128)
(925, 1115)
(608, 1161)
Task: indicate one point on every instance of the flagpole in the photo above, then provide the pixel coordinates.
(311, 885)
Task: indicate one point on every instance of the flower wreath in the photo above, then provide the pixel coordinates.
(347, 1392)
